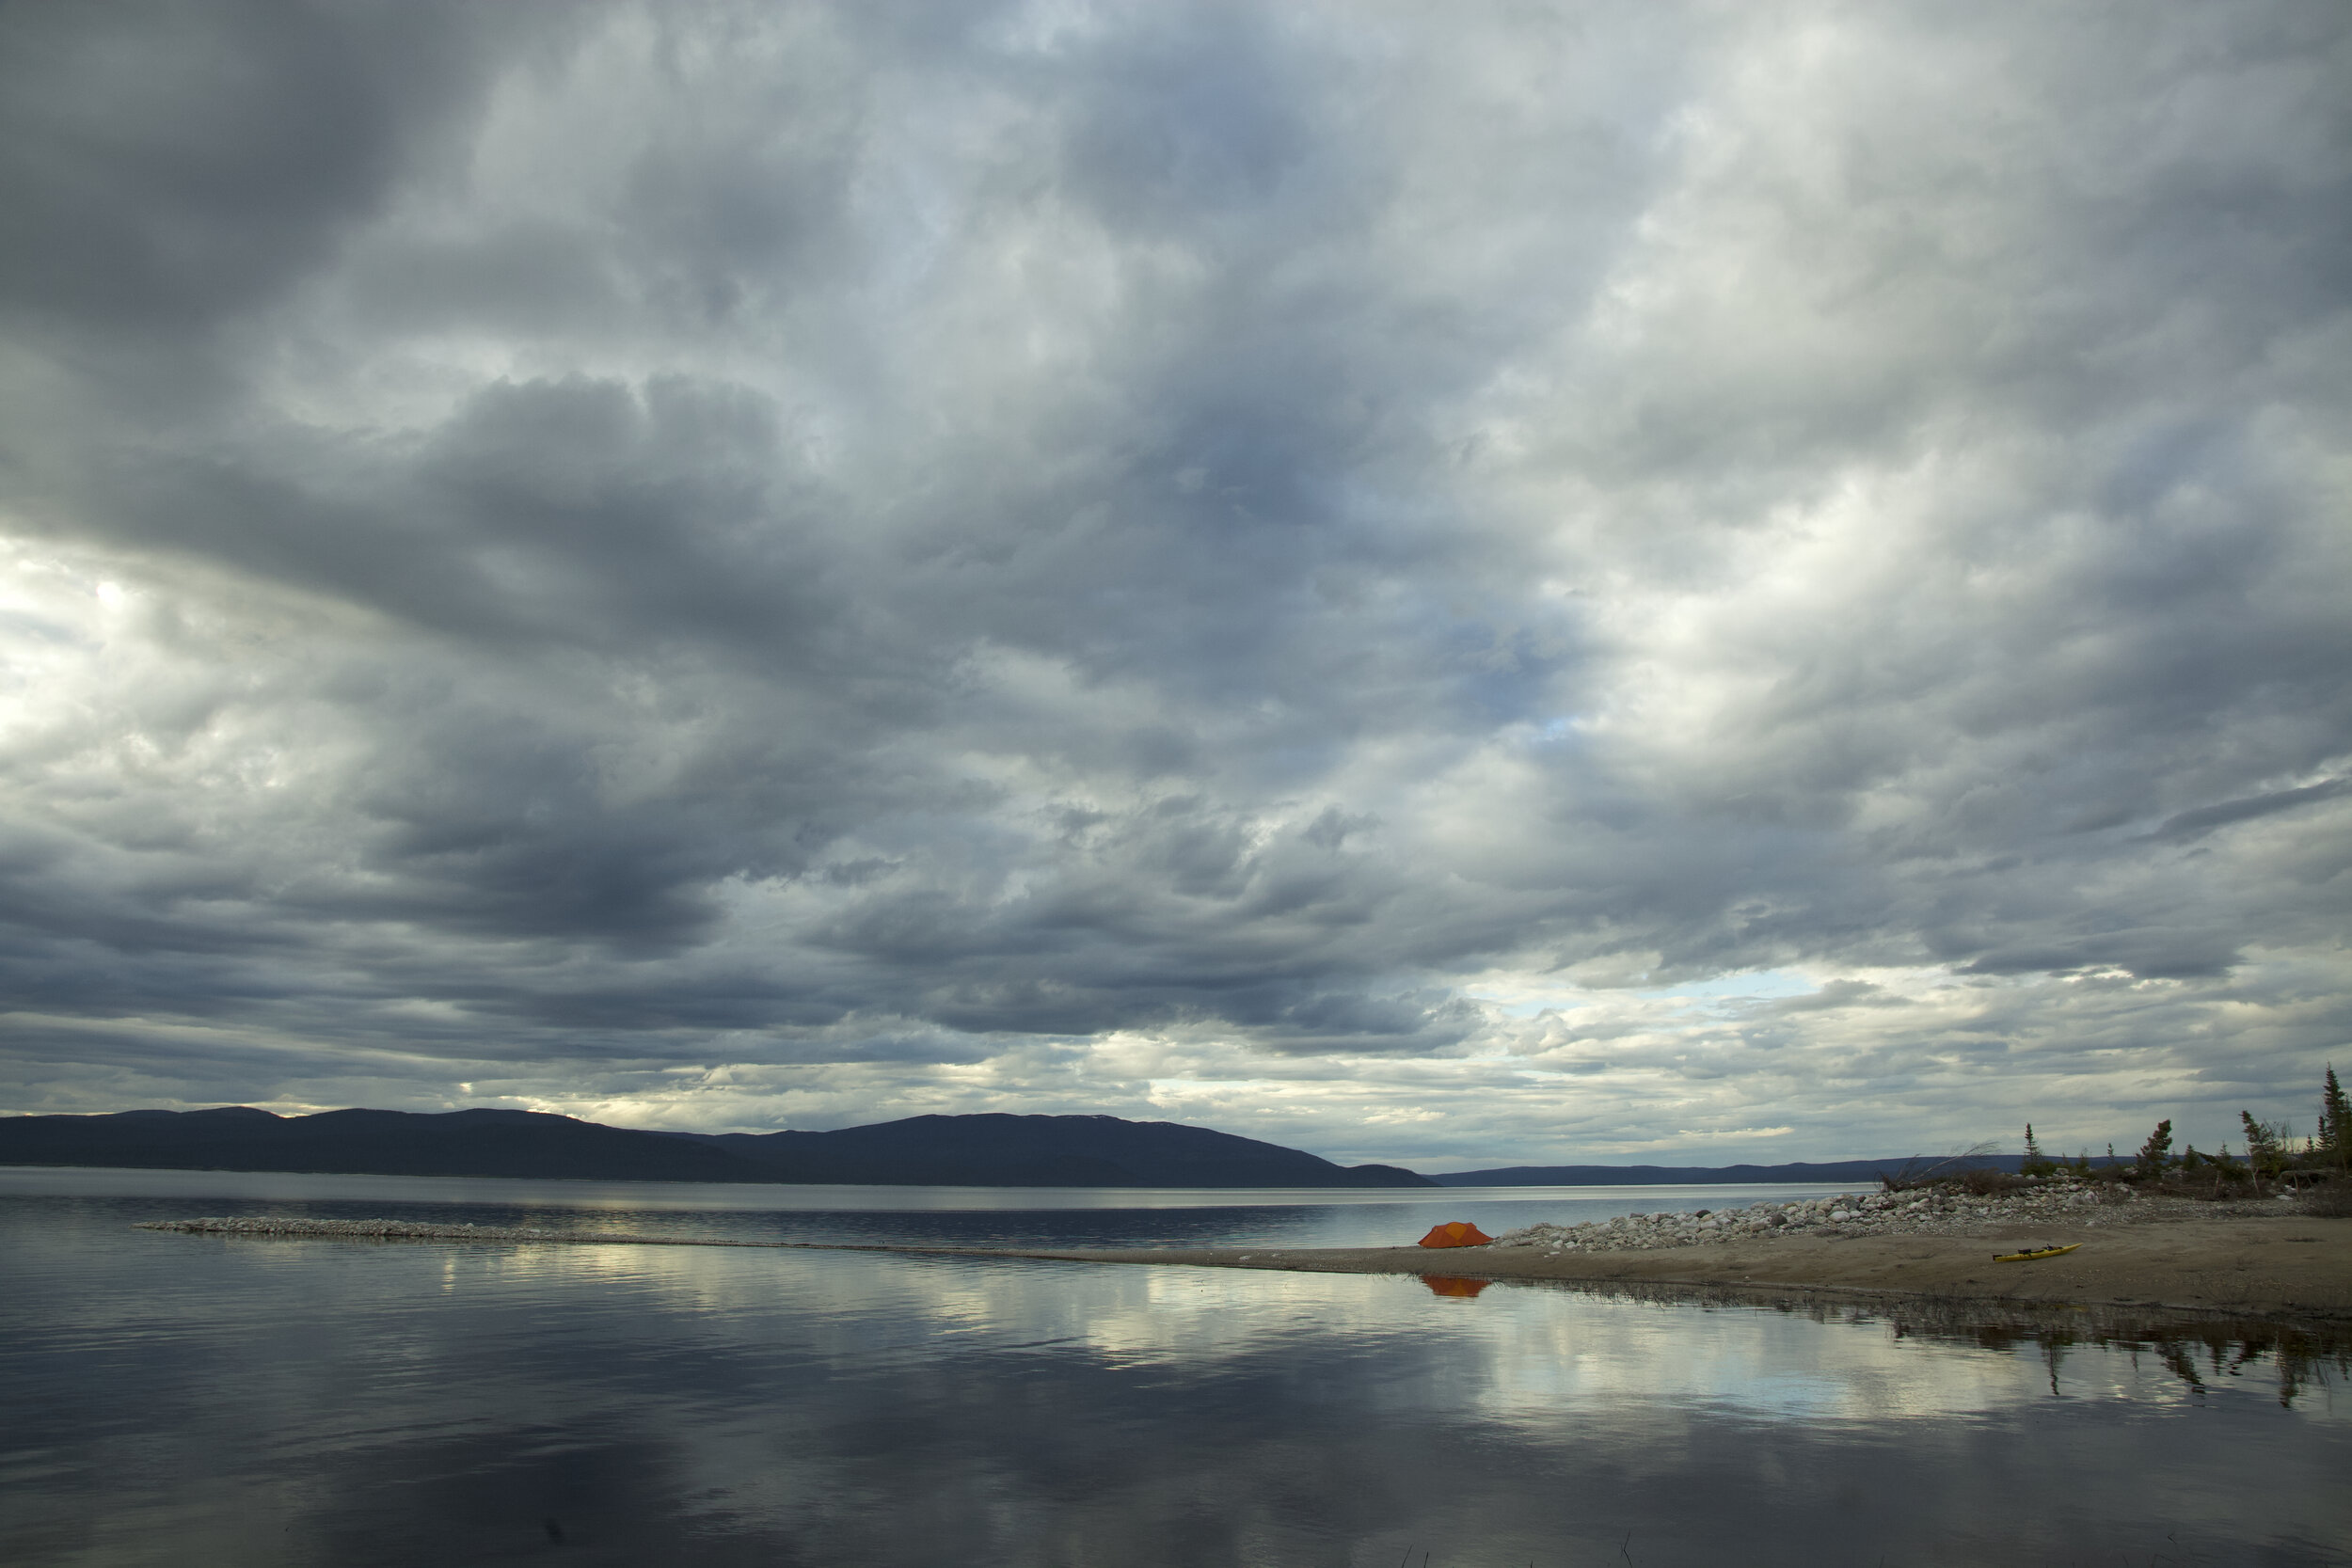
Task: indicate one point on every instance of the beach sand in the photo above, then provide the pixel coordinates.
(2287, 1268)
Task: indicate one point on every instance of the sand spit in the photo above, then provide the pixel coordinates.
(2256, 1259)
(2272, 1268)
(2146, 1258)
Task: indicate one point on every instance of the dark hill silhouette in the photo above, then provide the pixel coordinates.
(1003, 1150)
(373, 1143)
(977, 1151)
(1645, 1176)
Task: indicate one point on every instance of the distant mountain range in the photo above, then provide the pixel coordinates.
(993, 1151)
(1646, 1176)
(990, 1150)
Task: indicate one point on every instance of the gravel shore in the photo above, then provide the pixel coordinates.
(1929, 1213)
(2256, 1259)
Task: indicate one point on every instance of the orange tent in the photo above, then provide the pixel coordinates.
(1455, 1233)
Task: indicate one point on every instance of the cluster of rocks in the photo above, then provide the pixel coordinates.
(1937, 1210)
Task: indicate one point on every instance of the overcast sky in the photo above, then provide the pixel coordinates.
(1451, 584)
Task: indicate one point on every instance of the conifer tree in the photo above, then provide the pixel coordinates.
(2335, 1122)
(2035, 1163)
(2155, 1155)
(2224, 1169)
(2265, 1145)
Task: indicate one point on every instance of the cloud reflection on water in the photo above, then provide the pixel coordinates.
(180, 1398)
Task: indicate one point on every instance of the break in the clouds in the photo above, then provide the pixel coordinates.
(1457, 585)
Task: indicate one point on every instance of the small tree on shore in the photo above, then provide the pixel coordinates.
(2265, 1145)
(2035, 1163)
(2335, 1122)
(2155, 1155)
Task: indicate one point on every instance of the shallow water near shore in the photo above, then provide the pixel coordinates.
(175, 1399)
(950, 1216)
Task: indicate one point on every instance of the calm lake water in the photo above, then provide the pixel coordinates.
(196, 1400)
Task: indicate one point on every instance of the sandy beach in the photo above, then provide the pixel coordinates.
(2195, 1260)
(2274, 1266)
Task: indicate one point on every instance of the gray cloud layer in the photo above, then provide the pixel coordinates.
(1525, 583)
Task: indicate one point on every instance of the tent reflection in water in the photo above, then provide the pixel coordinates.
(1448, 1284)
(1455, 1233)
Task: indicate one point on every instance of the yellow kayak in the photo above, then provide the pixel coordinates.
(2037, 1252)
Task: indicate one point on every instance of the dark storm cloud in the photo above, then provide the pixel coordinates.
(733, 563)
(168, 165)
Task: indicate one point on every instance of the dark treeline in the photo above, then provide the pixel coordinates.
(1823, 1171)
(2272, 1158)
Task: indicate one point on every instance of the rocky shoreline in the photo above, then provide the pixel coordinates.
(2154, 1257)
(1935, 1211)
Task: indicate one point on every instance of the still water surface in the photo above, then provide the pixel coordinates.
(193, 1399)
